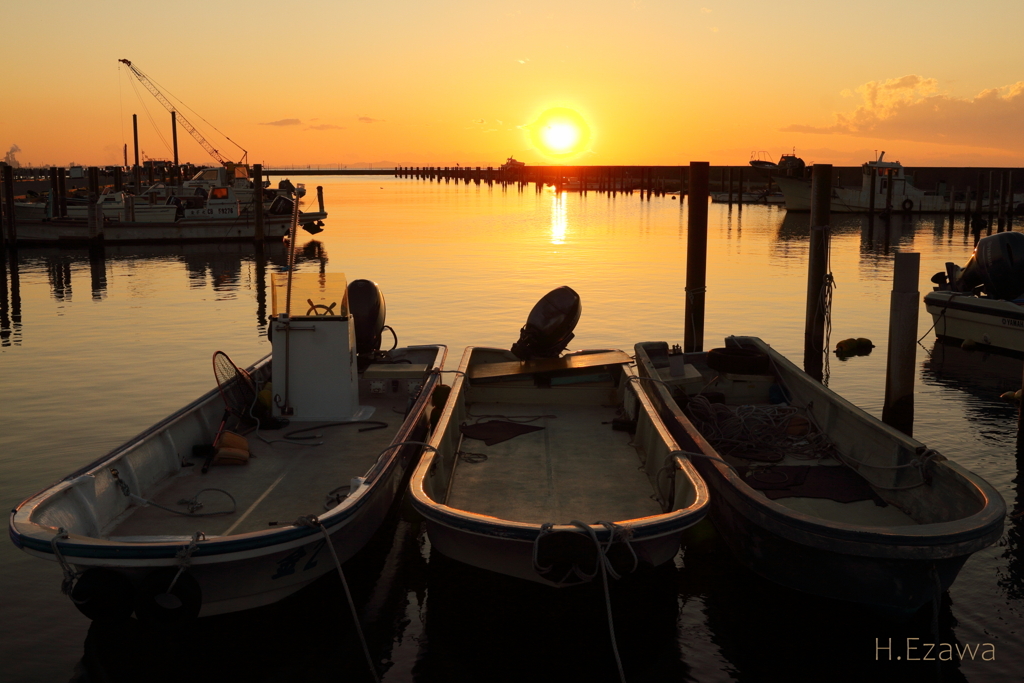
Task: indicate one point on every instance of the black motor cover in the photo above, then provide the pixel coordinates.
(366, 303)
(549, 327)
(997, 264)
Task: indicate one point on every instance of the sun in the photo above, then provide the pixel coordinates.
(559, 133)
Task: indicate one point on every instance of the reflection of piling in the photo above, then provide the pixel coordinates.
(817, 270)
(261, 290)
(696, 256)
(901, 363)
(98, 271)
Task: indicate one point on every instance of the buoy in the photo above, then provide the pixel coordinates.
(104, 595)
(968, 344)
(861, 346)
(1011, 395)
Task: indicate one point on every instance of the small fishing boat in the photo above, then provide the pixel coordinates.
(221, 507)
(983, 302)
(553, 468)
(811, 492)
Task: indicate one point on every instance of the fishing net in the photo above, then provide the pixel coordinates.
(765, 433)
(236, 387)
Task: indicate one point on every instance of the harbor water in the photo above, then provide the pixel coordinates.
(96, 346)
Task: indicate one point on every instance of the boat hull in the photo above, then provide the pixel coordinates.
(797, 192)
(70, 231)
(993, 322)
(893, 569)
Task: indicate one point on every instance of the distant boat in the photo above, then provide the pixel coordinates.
(511, 165)
(808, 490)
(789, 164)
(904, 197)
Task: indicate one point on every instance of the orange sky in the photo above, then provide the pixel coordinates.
(457, 82)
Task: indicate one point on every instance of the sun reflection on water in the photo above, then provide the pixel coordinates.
(559, 217)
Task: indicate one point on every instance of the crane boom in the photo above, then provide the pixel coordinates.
(211, 150)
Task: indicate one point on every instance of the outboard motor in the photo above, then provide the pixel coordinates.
(548, 329)
(997, 265)
(366, 302)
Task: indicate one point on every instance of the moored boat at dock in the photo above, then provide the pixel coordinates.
(194, 519)
(546, 466)
(811, 492)
(983, 302)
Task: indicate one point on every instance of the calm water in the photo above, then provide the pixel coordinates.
(95, 348)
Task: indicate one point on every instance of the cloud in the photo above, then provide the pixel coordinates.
(282, 122)
(705, 10)
(367, 119)
(326, 126)
(522, 61)
(479, 121)
(912, 108)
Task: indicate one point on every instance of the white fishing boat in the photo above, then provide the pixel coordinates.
(905, 197)
(219, 217)
(554, 468)
(219, 507)
(983, 302)
(811, 492)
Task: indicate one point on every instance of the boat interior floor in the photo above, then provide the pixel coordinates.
(280, 483)
(575, 468)
(861, 512)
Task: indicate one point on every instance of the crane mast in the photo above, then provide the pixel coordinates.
(211, 150)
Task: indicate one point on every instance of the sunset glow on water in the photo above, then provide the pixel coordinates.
(105, 348)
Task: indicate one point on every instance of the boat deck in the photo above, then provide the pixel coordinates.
(862, 512)
(576, 468)
(280, 483)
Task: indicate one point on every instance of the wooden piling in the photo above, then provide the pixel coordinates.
(739, 193)
(888, 192)
(62, 192)
(1003, 187)
(696, 256)
(320, 197)
(1009, 200)
(991, 195)
(901, 361)
(952, 204)
(874, 191)
(137, 171)
(978, 201)
(730, 186)
(174, 135)
(817, 270)
(9, 218)
(257, 204)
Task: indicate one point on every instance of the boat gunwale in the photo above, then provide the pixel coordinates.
(973, 530)
(215, 548)
(648, 527)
